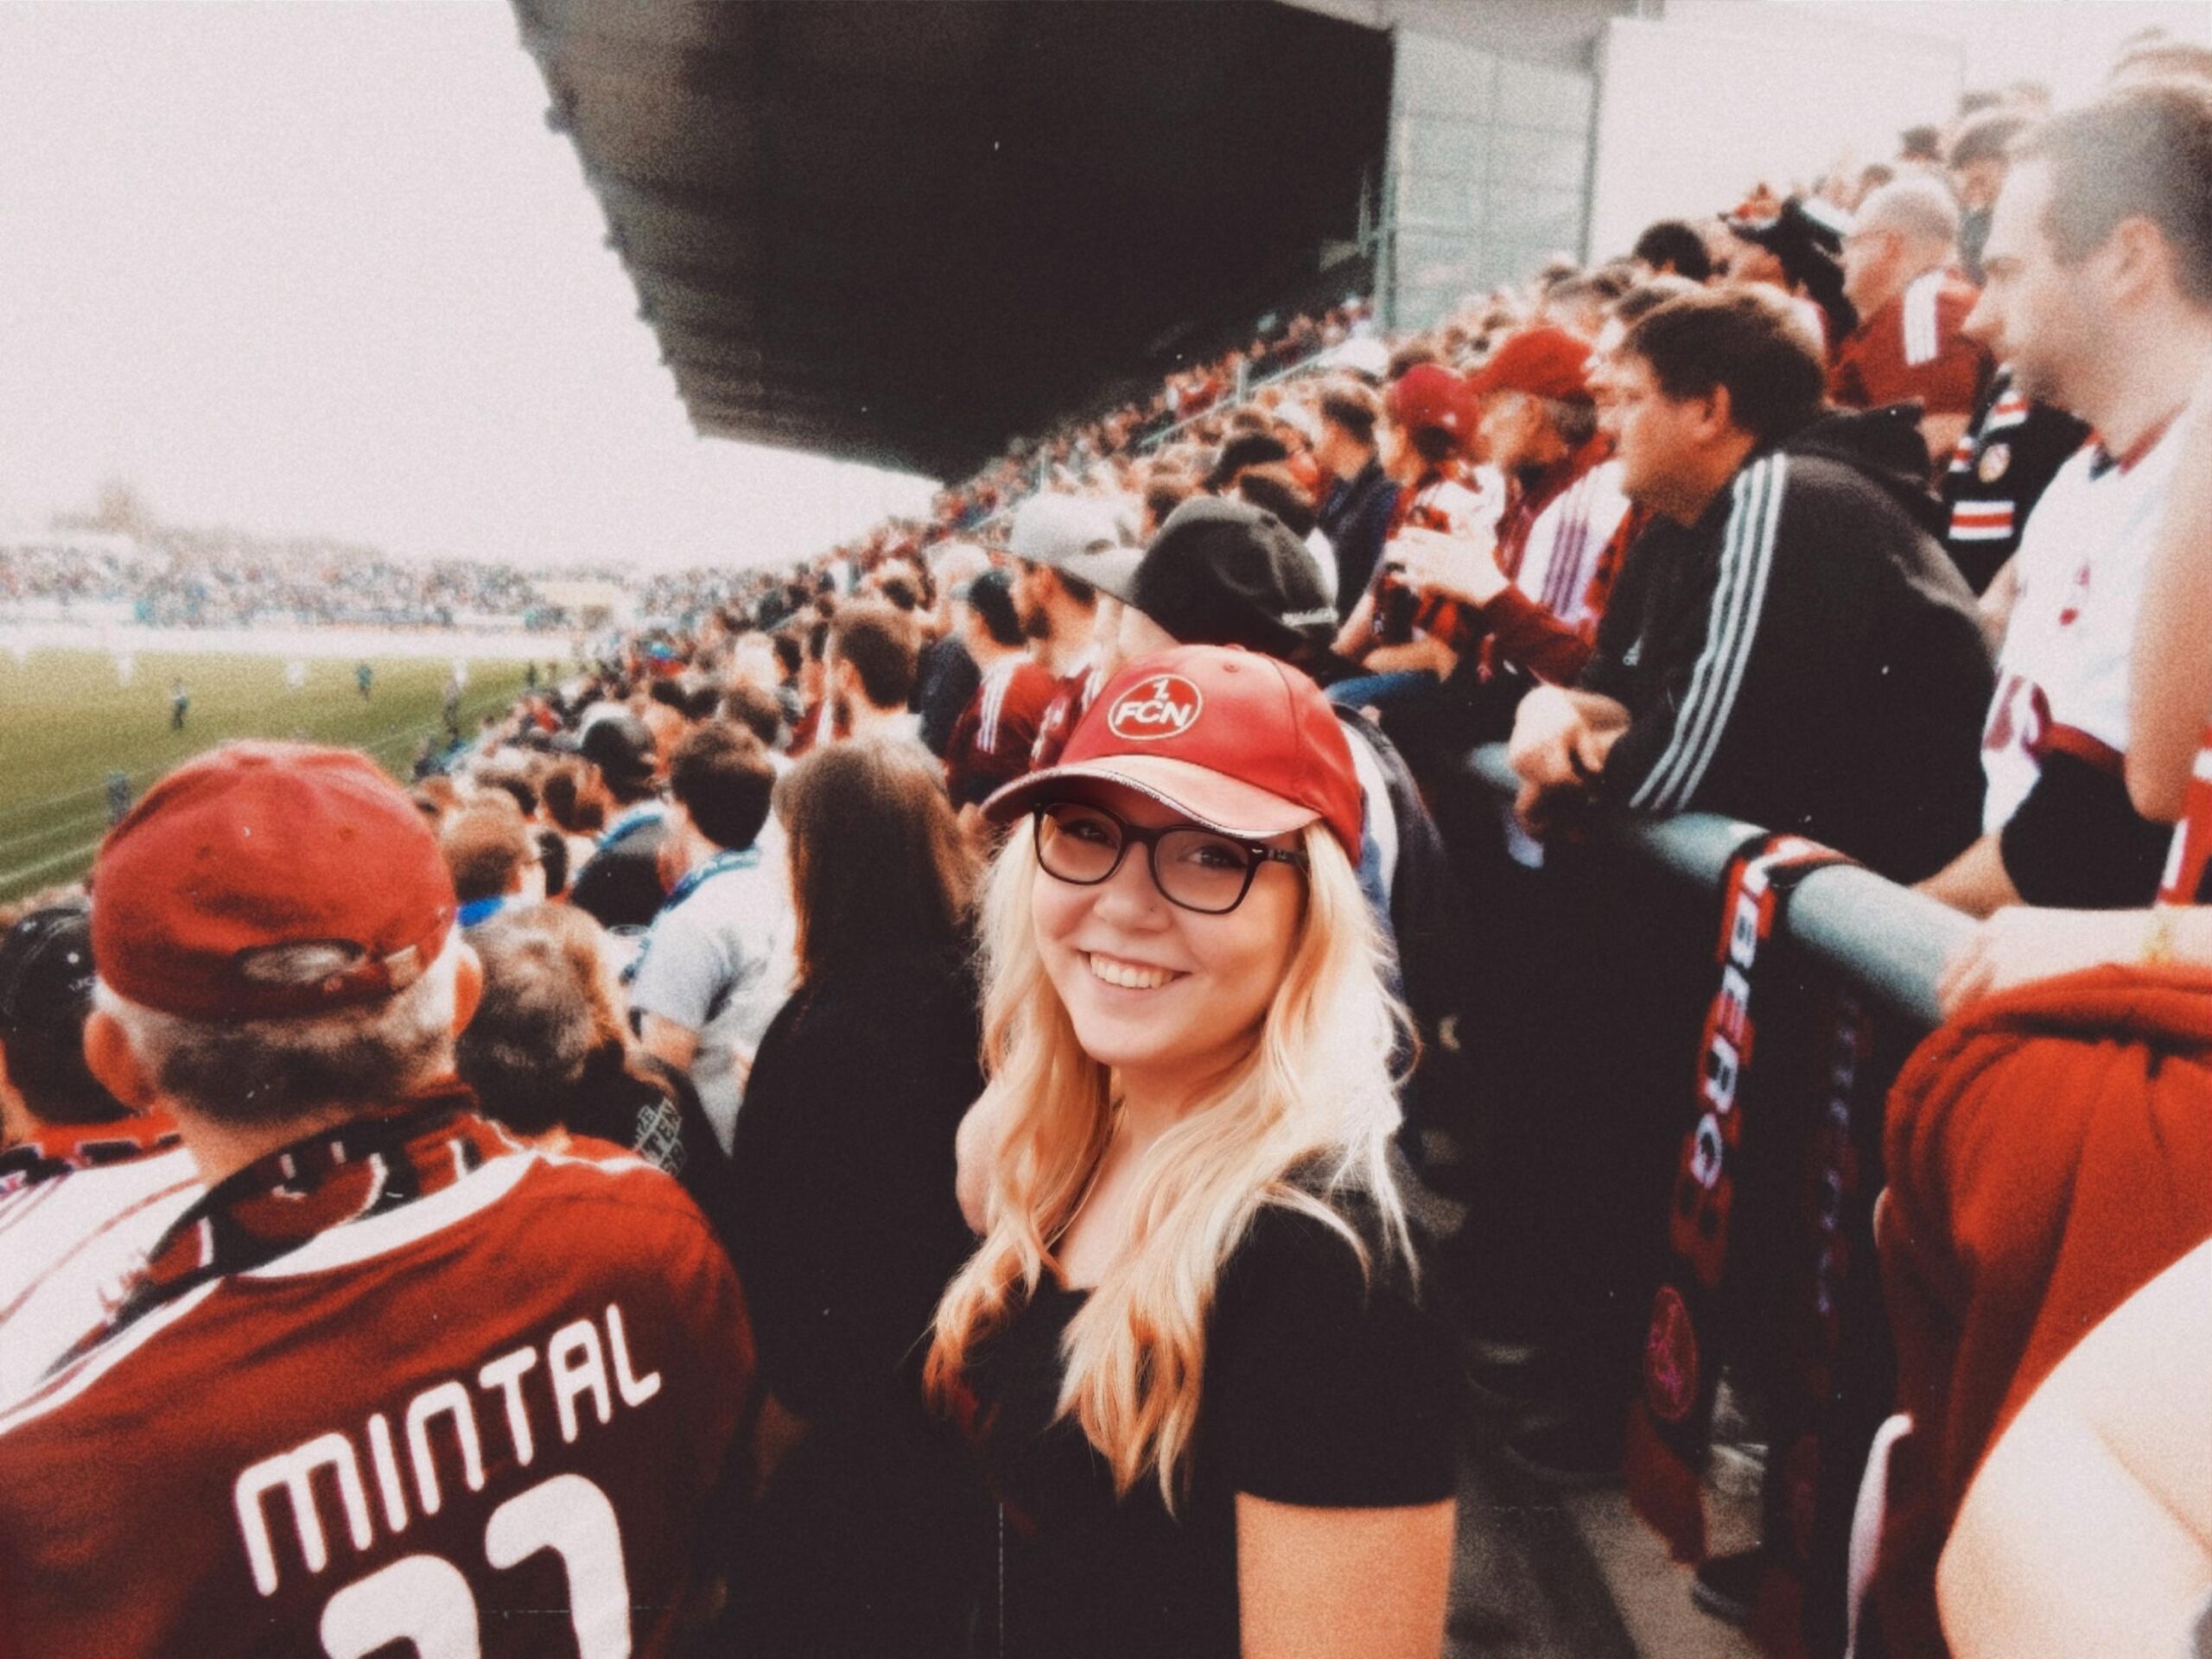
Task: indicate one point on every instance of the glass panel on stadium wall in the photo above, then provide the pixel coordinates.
(1487, 176)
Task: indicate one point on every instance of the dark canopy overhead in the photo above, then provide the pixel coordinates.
(906, 232)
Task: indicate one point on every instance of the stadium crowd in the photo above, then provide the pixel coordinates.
(179, 578)
(1003, 1091)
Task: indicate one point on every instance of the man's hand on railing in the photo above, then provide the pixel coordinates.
(1459, 566)
(2018, 944)
(1560, 743)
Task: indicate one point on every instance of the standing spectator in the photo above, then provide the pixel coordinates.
(1794, 650)
(1216, 1421)
(1977, 166)
(1356, 514)
(620, 884)
(493, 858)
(371, 1265)
(86, 1186)
(997, 731)
(1673, 247)
(1910, 345)
(551, 1056)
(947, 677)
(847, 1226)
(717, 963)
(1053, 536)
(2100, 264)
(872, 654)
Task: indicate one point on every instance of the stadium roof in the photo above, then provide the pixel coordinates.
(905, 233)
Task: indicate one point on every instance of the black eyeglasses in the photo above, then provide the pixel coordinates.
(1197, 869)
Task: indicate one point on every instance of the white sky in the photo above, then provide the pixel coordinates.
(2066, 44)
(322, 267)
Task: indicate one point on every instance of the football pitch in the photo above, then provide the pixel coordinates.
(69, 721)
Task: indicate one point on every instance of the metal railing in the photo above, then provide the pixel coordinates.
(1886, 941)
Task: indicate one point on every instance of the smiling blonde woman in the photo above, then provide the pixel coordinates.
(1187, 1350)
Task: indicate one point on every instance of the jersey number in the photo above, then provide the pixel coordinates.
(425, 1601)
(2021, 714)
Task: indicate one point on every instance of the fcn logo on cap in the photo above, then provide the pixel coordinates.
(1163, 705)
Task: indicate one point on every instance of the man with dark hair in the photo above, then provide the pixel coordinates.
(1053, 538)
(1788, 644)
(2100, 298)
(1909, 346)
(391, 1381)
(872, 654)
(717, 963)
(1673, 247)
(996, 733)
(86, 1184)
(619, 884)
(1977, 164)
(1356, 512)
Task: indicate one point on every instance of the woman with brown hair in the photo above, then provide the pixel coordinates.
(847, 1228)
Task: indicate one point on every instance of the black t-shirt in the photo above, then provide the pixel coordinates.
(1323, 1388)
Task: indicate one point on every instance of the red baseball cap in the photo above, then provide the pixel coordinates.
(1430, 395)
(266, 880)
(1234, 740)
(1546, 362)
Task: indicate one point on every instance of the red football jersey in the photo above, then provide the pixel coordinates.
(1913, 350)
(487, 1420)
(1072, 696)
(992, 740)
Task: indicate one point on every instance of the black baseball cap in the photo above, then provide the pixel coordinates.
(46, 973)
(1226, 573)
(620, 747)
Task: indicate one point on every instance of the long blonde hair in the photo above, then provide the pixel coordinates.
(1315, 1094)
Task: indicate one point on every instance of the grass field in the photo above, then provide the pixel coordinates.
(66, 722)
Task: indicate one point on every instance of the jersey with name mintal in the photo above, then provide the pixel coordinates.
(2063, 672)
(487, 1421)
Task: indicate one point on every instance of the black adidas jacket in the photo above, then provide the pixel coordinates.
(1804, 657)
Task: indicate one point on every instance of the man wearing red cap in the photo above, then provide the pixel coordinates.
(1530, 603)
(393, 1379)
(1433, 426)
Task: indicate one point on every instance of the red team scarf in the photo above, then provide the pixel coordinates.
(366, 1167)
(1694, 1313)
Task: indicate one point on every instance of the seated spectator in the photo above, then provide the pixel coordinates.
(1796, 247)
(1788, 644)
(873, 649)
(1976, 163)
(86, 1184)
(1909, 346)
(1274, 489)
(298, 1022)
(1054, 537)
(947, 677)
(717, 963)
(1187, 1122)
(1432, 421)
(1672, 247)
(2122, 342)
(493, 857)
(1524, 603)
(619, 885)
(573, 808)
(997, 731)
(1357, 513)
(847, 1227)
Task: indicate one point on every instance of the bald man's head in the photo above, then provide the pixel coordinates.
(1903, 229)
